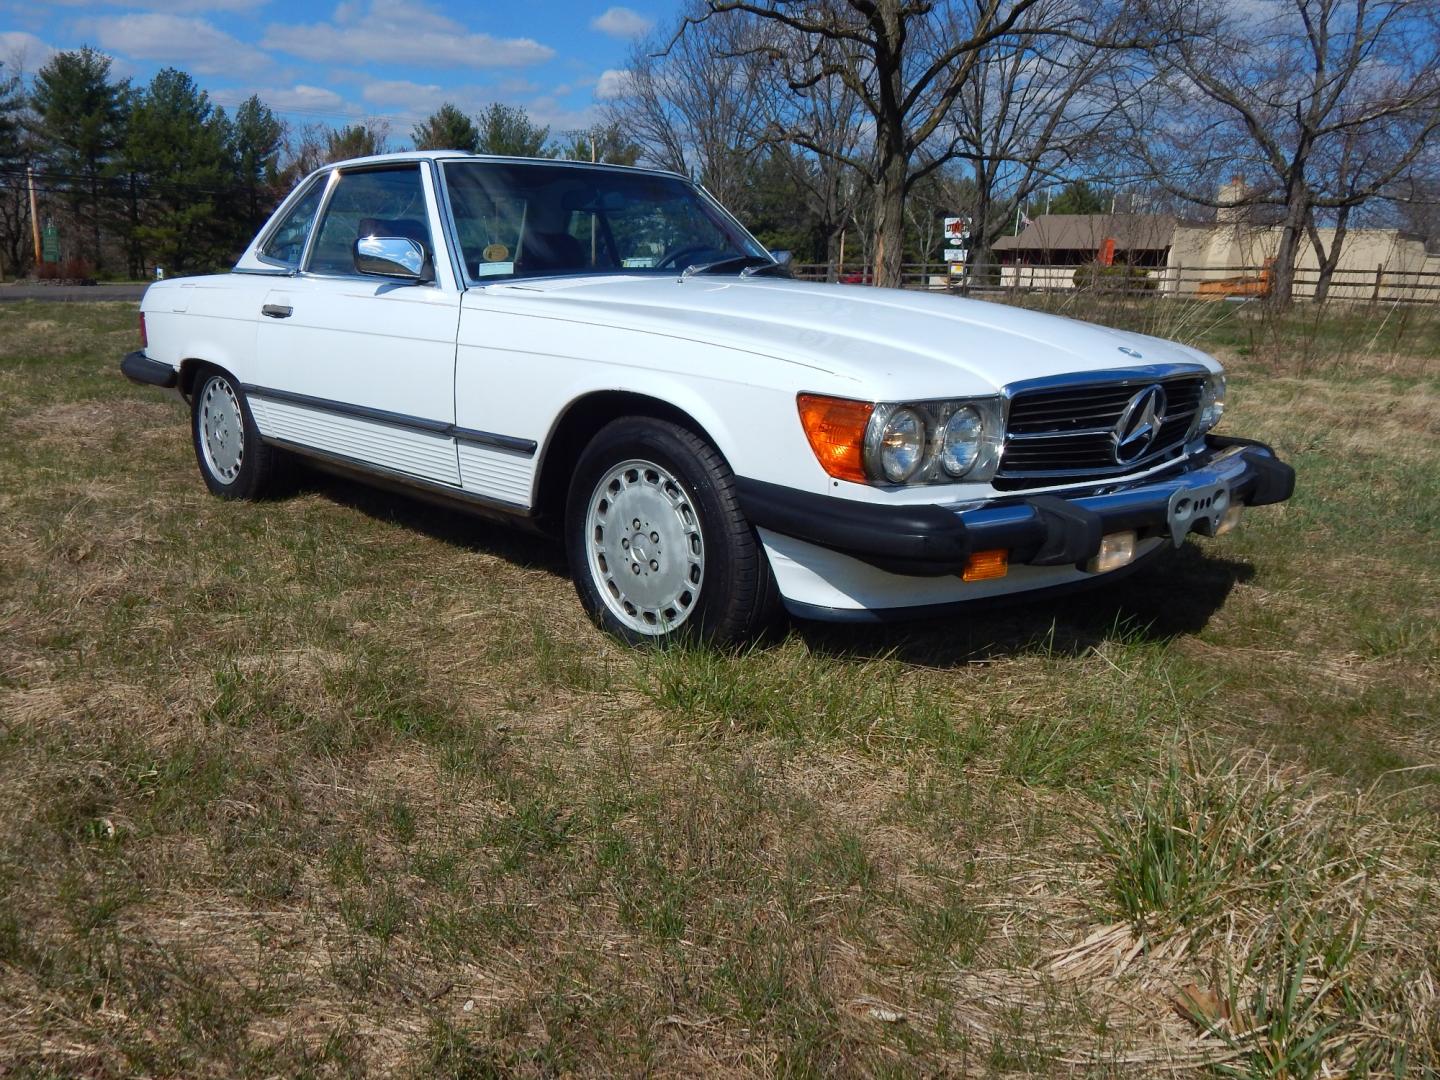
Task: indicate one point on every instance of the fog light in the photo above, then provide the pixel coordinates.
(1116, 550)
(984, 565)
(1230, 520)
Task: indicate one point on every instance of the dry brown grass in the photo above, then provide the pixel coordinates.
(343, 785)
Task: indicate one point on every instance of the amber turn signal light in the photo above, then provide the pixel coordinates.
(836, 430)
(985, 565)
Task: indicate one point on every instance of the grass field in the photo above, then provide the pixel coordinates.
(343, 784)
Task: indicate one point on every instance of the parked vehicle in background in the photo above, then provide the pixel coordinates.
(607, 353)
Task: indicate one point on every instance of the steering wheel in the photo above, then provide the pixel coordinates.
(675, 254)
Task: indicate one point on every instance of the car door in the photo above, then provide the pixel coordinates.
(362, 367)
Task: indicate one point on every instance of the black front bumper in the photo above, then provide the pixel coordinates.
(141, 369)
(1041, 530)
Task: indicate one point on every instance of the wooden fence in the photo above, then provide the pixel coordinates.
(1381, 284)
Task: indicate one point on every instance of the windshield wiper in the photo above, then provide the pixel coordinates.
(764, 268)
(721, 264)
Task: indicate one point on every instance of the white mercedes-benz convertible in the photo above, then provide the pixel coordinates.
(606, 352)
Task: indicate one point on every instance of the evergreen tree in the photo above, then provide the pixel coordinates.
(256, 138)
(607, 144)
(447, 128)
(353, 141)
(1080, 198)
(14, 206)
(79, 126)
(178, 151)
(508, 129)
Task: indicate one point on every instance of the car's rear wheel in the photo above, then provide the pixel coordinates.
(658, 546)
(233, 460)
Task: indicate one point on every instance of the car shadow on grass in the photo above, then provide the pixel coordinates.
(1174, 596)
(454, 526)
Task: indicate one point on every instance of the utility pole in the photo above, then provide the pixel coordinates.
(34, 212)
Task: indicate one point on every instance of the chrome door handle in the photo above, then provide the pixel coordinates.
(277, 311)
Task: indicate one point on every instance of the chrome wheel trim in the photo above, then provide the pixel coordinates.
(222, 430)
(644, 547)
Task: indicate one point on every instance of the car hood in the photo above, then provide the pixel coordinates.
(896, 343)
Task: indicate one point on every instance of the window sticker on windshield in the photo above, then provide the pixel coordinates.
(494, 269)
(638, 263)
(495, 253)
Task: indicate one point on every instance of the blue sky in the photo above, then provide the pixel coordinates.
(328, 62)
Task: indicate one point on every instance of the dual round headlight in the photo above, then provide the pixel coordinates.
(960, 445)
(903, 437)
(902, 445)
(1212, 403)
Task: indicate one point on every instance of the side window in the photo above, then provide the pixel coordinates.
(287, 243)
(369, 202)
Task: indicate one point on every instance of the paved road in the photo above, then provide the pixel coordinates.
(80, 293)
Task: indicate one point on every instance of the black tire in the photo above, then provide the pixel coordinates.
(737, 596)
(257, 473)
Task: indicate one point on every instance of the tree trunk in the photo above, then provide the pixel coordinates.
(832, 251)
(1297, 215)
(1282, 275)
(95, 221)
(893, 146)
(978, 266)
(1328, 260)
(890, 223)
(132, 242)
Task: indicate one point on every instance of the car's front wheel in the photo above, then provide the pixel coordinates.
(658, 546)
(233, 460)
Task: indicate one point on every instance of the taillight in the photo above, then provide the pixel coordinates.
(144, 340)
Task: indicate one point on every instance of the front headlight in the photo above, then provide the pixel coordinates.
(961, 441)
(1212, 404)
(899, 445)
(890, 443)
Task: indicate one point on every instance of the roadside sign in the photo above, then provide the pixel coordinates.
(957, 243)
(50, 244)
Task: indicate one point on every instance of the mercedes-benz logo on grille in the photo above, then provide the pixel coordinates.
(1139, 425)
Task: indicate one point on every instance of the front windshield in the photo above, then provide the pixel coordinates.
(519, 220)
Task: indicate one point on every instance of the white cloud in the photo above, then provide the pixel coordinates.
(611, 84)
(399, 32)
(171, 7)
(411, 96)
(515, 85)
(20, 51)
(191, 43)
(621, 22)
(298, 98)
(549, 112)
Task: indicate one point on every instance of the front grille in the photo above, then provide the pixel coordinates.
(1059, 435)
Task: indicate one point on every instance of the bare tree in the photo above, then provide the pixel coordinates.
(1299, 95)
(1033, 109)
(907, 61)
(693, 107)
(304, 152)
(818, 130)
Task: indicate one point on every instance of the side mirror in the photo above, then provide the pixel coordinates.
(785, 260)
(393, 257)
